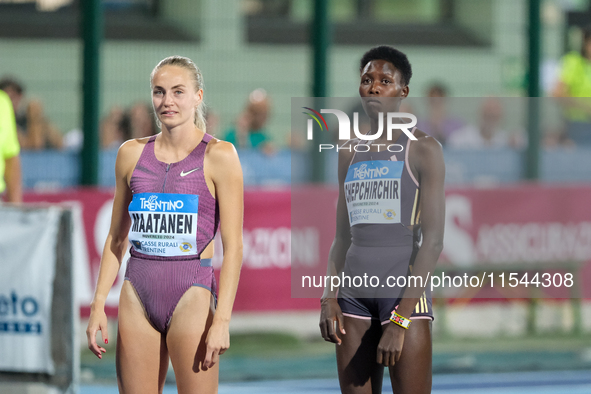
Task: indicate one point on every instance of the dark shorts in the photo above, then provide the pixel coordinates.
(379, 302)
(381, 308)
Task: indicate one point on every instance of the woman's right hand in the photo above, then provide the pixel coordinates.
(330, 317)
(97, 322)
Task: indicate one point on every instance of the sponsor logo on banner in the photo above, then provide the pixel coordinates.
(26, 287)
(267, 247)
(18, 314)
(469, 240)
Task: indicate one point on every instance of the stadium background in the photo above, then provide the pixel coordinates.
(477, 48)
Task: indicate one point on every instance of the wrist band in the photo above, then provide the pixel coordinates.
(400, 320)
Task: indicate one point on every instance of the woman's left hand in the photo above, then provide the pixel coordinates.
(216, 343)
(390, 346)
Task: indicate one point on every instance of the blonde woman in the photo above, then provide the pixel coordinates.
(173, 192)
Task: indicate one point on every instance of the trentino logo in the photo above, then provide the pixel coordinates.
(363, 172)
(153, 204)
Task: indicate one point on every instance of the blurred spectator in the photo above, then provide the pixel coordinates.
(35, 132)
(488, 133)
(574, 82)
(212, 121)
(120, 125)
(114, 129)
(10, 165)
(142, 122)
(438, 123)
(249, 131)
(557, 138)
(296, 141)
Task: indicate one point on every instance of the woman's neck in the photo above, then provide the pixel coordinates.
(180, 138)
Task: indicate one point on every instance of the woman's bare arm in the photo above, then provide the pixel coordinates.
(115, 244)
(331, 312)
(226, 174)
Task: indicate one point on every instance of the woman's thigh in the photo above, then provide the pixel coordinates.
(186, 337)
(359, 373)
(142, 359)
(412, 373)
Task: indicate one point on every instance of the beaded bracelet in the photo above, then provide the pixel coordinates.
(400, 320)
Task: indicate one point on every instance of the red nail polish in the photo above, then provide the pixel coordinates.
(107, 341)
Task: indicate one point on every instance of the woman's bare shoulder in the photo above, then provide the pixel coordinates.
(427, 153)
(426, 143)
(219, 150)
(129, 153)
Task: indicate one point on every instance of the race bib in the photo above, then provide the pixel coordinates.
(164, 224)
(372, 191)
